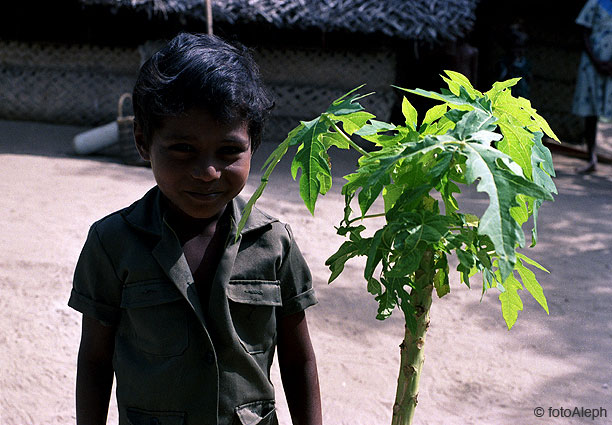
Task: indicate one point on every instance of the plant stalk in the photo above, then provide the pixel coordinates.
(348, 139)
(412, 347)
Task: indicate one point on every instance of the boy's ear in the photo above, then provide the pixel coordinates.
(141, 144)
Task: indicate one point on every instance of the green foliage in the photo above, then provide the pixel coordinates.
(492, 140)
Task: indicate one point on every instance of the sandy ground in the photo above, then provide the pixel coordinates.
(476, 371)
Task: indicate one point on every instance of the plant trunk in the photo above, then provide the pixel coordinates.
(411, 349)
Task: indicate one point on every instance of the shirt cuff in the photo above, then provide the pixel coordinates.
(104, 313)
(298, 303)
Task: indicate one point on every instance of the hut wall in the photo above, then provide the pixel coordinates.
(304, 81)
(62, 83)
(81, 83)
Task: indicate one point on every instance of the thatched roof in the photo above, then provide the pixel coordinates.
(423, 20)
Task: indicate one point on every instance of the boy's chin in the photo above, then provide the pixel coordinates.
(199, 210)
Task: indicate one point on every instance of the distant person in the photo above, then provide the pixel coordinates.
(185, 316)
(515, 62)
(593, 94)
(464, 59)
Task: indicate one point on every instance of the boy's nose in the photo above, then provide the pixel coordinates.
(205, 172)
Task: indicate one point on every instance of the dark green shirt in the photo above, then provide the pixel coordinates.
(174, 363)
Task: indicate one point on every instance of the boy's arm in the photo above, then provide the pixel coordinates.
(94, 372)
(298, 369)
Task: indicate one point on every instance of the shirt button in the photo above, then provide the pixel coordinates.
(209, 357)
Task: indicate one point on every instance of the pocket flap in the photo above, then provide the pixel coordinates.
(257, 292)
(257, 413)
(144, 417)
(146, 294)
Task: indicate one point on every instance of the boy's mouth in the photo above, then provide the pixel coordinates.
(204, 196)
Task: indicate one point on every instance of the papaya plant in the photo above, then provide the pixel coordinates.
(491, 140)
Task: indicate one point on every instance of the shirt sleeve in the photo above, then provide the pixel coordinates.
(587, 14)
(296, 281)
(96, 290)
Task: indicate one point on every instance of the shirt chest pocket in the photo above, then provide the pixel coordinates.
(252, 307)
(156, 321)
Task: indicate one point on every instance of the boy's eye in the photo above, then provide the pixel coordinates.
(231, 150)
(181, 147)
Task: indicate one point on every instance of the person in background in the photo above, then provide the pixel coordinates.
(515, 63)
(593, 92)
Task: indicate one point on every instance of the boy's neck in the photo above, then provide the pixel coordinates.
(188, 227)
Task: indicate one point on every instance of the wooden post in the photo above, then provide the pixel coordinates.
(209, 18)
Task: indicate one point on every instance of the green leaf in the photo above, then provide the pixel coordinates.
(386, 304)
(531, 262)
(347, 104)
(372, 176)
(375, 254)
(475, 125)
(334, 139)
(347, 250)
(505, 105)
(499, 87)
(410, 113)
(502, 185)
(511, 302)
(353, 121)
(517, 143)
(532, 285)
(450, 98)
(374, 286)
(458, 81)
(312, 158)
(441, 282)
(435, 113)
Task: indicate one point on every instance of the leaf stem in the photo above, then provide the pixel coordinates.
(366, 216)
(348, 139)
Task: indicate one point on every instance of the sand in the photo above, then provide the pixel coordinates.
(476, 371)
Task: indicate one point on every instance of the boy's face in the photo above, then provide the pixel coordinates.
(199, 164)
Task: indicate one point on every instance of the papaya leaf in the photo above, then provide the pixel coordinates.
(434, 113)
(347, 250)
(374, 128)
(353, 121)
(312, 158)
(502, 185)
(459, 101)
(374, 287)
(517, 143)
(531, 262)
(386, 303)
(474, 125)
(333, 138)
(457, 81)
(410, 113)
(510, 300)
(531, 284)
(542, 165)
(375, 254)
(522, 111)
(372, 176)
(441, 282)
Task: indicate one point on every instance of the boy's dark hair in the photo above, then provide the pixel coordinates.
(201, 71)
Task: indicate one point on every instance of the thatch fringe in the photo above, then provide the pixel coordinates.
(421, 20)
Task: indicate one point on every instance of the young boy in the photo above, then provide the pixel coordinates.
(186, 318)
